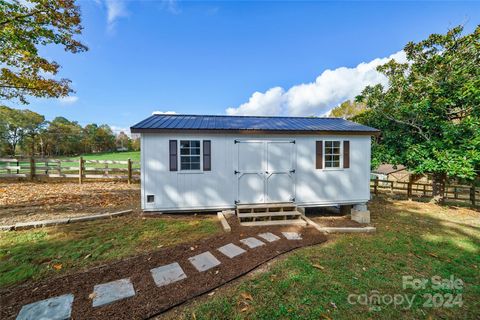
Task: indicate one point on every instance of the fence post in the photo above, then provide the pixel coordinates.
(80, 170)
(391, 187)
(409, 190)
(32, 168)
(18, 164)
(129, 171)
(472, 195)
(375, 186)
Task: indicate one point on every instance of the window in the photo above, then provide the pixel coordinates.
(189, 155)
(332, 154)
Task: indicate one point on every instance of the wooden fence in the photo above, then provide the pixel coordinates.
(80, 169)
(461, 193)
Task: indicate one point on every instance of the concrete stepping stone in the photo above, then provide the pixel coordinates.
(204, 261)
(168, 274)
(270, 237)
(231, 250)
(292, 235)
(112, 291)
(56, 308)
(252, 242)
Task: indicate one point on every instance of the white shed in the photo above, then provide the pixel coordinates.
(200, 162)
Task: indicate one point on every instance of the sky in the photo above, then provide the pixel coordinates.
(238, 58)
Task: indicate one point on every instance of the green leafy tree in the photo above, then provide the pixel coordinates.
(62, 137)
(24, 27)
(347, 110)
(19, 125)
(429, 114)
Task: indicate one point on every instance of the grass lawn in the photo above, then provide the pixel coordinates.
(35, 254)
(134, 155)
(413, 239)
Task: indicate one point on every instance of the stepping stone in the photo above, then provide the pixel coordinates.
(112, 291)
(204, 261)
(57, 308)
(231, 250)
(270, 237)
(292, 235)
(168, 274)
(252, 242)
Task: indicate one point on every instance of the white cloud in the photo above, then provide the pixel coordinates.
(118, 129)
(268, 103)
(68, 100)
(328, 90)
(163, 112)
(171, 6)
(115, 9)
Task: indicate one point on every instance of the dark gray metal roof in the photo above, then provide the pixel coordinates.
(180, 122)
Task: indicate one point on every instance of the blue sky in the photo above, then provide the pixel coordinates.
(297, 58)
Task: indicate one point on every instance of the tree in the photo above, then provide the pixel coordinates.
(18, 125)
(429, 114)
(123, 142)
(33, 123)
(62, 137)
(347, 110)
(24, 26)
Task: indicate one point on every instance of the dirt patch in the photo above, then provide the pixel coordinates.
(29, 201)
(337, 222)
(151, 300)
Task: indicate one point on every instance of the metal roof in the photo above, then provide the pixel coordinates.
(180, 122)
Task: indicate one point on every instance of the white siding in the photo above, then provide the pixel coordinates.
(183, 190)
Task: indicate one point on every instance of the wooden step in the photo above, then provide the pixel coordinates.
(268, 214)
(266, 205)
(297, 222)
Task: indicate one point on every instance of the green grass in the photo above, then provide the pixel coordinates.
(32, 254)
(412, 239)
(134, 155)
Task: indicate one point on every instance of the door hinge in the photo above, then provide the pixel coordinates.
(293, 141)
(236, 201)
(293, 199)
(292, 171)
(236, 172)
(236, 141)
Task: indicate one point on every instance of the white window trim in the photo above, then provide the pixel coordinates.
(340, 168)
(179, 164)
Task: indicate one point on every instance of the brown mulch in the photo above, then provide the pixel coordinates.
(151, 300)
(24, 201)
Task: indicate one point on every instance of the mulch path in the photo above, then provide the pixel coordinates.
(151, 300)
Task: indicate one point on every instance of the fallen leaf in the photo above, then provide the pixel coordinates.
(92, 296)
(57, 266)
(87, 256)
(244, 309)
(432, 254)
(318, 266)
(246, 296)
(211, 293)
(333, 304)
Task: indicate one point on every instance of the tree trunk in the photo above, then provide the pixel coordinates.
(438, 187)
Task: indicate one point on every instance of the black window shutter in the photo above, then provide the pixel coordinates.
(319, 154)
(207, 155)
(346, 154)
(173, 155)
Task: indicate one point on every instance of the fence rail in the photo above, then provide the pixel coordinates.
(410, 189)
(69, 168)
